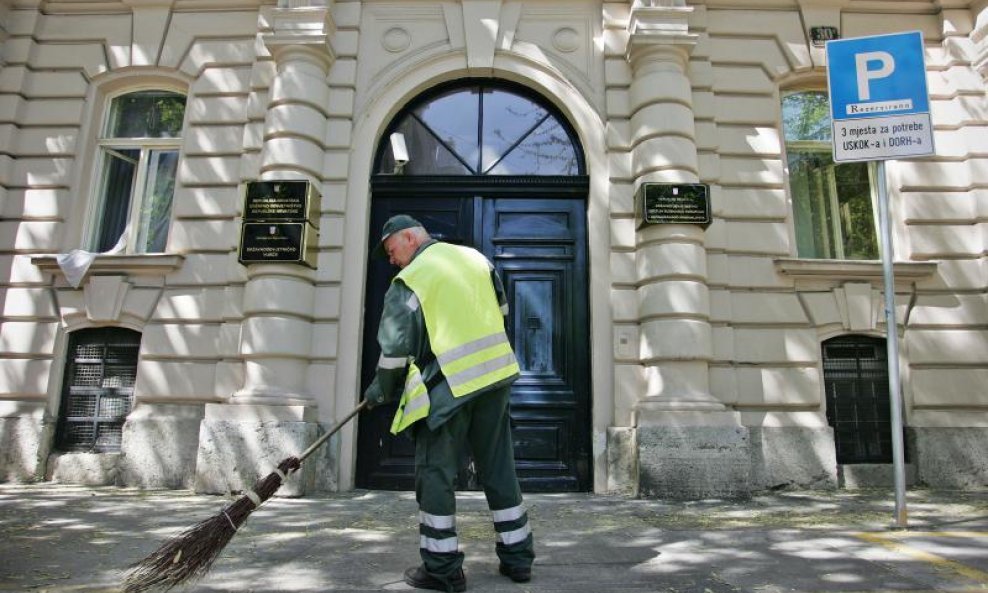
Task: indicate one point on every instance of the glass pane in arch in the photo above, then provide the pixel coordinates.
(546, 151)
(453, 118)
(431, 157)
(508, 118)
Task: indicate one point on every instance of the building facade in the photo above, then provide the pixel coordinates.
(140, 345)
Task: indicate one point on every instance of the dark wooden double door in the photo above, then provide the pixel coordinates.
(539, 248)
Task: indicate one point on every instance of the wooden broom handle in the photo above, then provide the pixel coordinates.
(332, 431)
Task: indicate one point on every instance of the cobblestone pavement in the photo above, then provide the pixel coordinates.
(62, 539)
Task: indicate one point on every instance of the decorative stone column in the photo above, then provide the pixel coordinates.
(689, 444)
(273, 415)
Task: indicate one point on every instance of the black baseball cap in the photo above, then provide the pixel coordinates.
(398, 222)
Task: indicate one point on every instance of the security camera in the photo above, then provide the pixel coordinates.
(399, 151)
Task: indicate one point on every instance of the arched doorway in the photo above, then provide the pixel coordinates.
(495, 166)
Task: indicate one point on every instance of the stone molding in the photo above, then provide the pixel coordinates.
(839, 270)
(303, 33)
(108, 293)
(660, 30)
(138, 4)
(158, 264)
(289, 4)
(481, 25)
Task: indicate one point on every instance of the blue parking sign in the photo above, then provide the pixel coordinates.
(879, 103)
(877, 76)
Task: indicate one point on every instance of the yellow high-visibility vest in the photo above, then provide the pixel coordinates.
(414, 403)
(464, 322)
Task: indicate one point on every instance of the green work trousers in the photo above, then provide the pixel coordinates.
(481, 426)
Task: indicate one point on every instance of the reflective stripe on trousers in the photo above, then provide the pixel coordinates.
(439, 546)
(514, 536)
(511, 525)
(430, 525)
(437, 521)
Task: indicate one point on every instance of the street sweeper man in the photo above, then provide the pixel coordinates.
(447, 360)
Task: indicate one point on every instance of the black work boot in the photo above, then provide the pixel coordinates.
(420, 578)
(518, 574)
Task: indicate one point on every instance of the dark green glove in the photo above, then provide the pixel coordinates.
(374, 396)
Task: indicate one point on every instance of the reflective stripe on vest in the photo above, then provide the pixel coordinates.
(414, 404)
(462, 316)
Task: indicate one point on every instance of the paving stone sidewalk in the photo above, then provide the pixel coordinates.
(62, 539)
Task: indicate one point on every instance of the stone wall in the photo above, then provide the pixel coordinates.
(723, 322)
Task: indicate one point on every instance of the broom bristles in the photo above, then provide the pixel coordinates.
(189, 555)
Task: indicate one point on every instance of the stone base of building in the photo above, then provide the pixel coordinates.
(22, 435)
(238, 444)
(872, 475)
(792, 458)
(951, 458)
(160, 445)
(695, 462)
(622, 460)
(84, 469)
(692, 462)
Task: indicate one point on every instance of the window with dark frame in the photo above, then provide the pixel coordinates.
(98, 391)
(855, 375)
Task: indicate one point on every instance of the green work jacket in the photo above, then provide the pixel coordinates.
(404, 339)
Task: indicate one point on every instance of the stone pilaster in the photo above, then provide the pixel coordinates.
(689, 444)
(272, 415)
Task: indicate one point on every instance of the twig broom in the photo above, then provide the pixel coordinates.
(189, 555)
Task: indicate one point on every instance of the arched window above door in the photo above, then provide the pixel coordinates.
(480, 129)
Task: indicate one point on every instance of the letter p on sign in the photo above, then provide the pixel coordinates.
(886, 66)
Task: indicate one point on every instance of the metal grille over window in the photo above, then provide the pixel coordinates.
(99, 389)
(855, 373)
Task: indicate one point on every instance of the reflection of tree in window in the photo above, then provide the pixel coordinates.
(832, 204)
(149, 114)
(806, 116)
(157, 206)
(545, 151)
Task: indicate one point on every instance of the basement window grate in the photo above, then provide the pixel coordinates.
(99, 389)
(855, 374)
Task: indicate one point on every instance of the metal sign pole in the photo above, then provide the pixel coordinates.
(892, 328)
(880, 109)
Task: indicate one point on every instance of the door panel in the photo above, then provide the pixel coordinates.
(539, 249)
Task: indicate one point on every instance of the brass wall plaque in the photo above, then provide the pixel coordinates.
(278, 242)
(673, 203)
(281, 201)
